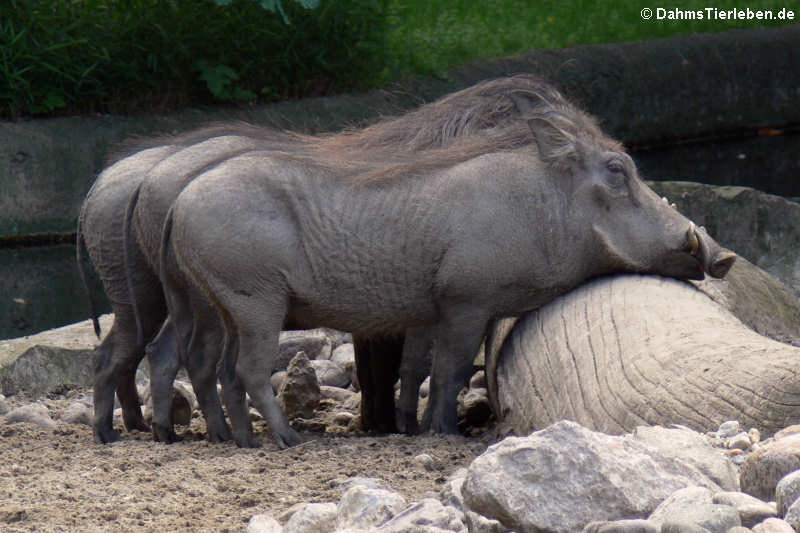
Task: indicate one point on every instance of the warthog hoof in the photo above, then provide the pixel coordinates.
(164, 434)
(106, 436)
(246, 440)
(221, 434)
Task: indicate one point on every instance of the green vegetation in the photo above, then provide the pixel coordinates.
(430, 36)
(68, 56)
(129, 55)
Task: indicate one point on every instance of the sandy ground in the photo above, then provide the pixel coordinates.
(60, 480)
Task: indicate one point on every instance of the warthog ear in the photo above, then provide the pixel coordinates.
(555, 143)
(527, 102)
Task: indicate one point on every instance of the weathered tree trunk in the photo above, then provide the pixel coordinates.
(631, 350)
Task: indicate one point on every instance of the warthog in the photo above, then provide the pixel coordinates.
(127, 266)
(148, 178)
(379, 239)
(464, 113)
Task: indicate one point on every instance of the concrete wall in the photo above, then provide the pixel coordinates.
(645, 92)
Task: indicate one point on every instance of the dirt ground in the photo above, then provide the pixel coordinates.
(60, 480)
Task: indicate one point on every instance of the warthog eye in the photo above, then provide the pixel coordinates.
(616, 166)
(615, 177)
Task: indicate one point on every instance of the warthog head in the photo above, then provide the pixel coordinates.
(633, 228)
(640, 232)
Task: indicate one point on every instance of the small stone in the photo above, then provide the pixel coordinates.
(344, 355)
(792, 516)
(32, 413)
(763, 468)
(364, 508)
(728, 429)
(621, 526)
(773, 525)
(299, 395)
(427, 515)
(751, 510)
(315, 343)
(740, 441)
(77, 413)
(477, 523)
(330, 373)
(342, 418)
(787, 492)
(336, 394)
(677, 526)
(312, 518)
(755, 435)
(428, 462)
(263, 523)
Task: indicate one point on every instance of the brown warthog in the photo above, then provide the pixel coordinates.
(379, 239)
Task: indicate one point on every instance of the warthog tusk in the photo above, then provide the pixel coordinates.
(666, 201)
(694, 243)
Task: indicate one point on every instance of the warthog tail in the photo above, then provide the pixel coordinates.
(80, 245)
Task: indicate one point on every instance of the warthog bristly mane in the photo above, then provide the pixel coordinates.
(495, 115)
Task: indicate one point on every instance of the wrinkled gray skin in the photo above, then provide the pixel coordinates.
(195, 322)
(100, 228)
(270, 238)
(150, 185)
(147, 211)
(145, 184)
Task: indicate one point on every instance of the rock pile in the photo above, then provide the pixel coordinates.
(568, 478)
(562, 478)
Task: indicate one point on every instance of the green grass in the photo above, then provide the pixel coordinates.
(62, 56)
(119, 56)
(430, 36)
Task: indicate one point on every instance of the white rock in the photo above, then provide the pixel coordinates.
(263, 523)
(426, 516)
(312, 518)
(686, 497)
(32, 413)
(364, 508)
(428, 462)
(565, 476)
(330, 373)
(787, 491)
(751, 510)
(773, 525)
(335, 393)
(740, 441)
(728, 429)
(77, 413)
(344, 355)
(694, 506)
(692, 447)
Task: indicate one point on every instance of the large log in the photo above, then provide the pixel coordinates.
(631, 350)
